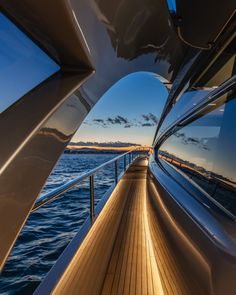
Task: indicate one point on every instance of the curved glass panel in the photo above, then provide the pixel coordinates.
(186, 102)
(204, 151)
(23, 65)
(222, 68)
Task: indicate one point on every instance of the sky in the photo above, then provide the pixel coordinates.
(127, 112)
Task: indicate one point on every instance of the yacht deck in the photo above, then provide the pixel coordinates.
(119, 254)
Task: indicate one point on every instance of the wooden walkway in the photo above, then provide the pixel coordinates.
(118, 255)
(132, 268)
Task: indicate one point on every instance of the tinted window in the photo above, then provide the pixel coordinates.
(23, 65)
(222, 69)
(205, 151)
(186, 102)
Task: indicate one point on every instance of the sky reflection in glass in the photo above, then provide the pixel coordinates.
(23, 65)
(204, 150)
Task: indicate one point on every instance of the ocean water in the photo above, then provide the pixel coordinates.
(49, 230)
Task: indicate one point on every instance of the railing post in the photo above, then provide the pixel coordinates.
(129, 158)
(116, 172)
(91, 187)
(124, 162)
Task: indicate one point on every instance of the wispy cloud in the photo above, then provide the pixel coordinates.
(147, 124)
(117, 120)
(150, 118)
(146, 120)
(99, 121)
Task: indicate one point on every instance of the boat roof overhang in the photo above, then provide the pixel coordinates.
(201, 22)
(115, 38)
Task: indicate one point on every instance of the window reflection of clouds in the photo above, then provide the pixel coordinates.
(225, 152)
(193, 143)
(205, 151)
(23, 65)
(187, 101)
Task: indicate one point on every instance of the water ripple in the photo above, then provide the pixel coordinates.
(49, 230)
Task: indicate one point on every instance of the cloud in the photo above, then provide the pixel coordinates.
(110, 120)
(117, 120)
(150, 118)
(147, 120)
(193, 140)
(122, 120)
(99, 121)
(153, 118)
(147, 124)
(146, 117)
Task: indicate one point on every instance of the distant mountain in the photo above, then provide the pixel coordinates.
(103, 144)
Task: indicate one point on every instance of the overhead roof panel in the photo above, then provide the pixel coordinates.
(200, 22)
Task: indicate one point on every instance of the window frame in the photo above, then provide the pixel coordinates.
(212, 101)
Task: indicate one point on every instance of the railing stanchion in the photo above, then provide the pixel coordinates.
(116, 172)
(91, 187)
(52, 195)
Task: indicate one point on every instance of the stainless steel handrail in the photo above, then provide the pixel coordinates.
(50, 196)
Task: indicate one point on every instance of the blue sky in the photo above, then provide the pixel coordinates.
(127, 112)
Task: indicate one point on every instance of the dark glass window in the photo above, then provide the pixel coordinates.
(205, 152)
(223, 68)
(186, 102)
(23, 65)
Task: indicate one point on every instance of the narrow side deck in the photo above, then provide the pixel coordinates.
(132, 268)
(120, 254)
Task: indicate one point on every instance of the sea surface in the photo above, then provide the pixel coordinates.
(49, 230)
